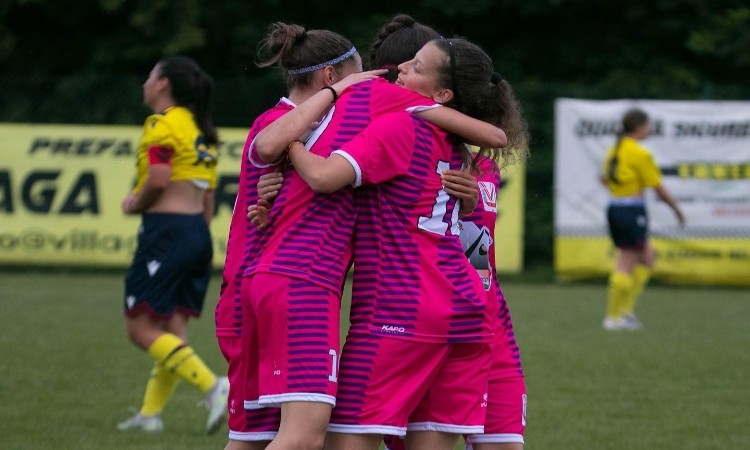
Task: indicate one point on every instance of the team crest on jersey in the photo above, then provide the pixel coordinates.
(488, 192)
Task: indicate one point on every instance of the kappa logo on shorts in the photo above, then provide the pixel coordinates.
(390, 329)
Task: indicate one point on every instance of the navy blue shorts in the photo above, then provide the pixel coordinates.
(628, 226)
(171, 267)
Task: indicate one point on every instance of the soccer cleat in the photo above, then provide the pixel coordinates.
(613, 323)
(216, 403)
(139, 422)
(631, 322)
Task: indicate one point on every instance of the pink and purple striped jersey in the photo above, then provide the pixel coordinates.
(505, 421)
(228, 313)
(478, 240)
(309, 235)
(412, 280)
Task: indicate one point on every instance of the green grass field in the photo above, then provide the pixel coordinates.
(68, 373)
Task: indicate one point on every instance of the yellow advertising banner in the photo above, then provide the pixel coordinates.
(509, 226)
(61, 188)
(679, 261)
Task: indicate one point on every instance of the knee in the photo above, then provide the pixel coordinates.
(139, 335)
(134, 336)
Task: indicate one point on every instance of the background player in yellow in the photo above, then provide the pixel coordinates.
(629, 169)
(167, 281)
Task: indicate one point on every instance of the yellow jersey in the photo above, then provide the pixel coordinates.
(172, 137)
(635, 169)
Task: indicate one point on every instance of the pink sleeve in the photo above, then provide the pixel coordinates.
(266, 119)
(387, 97)
(383, 150)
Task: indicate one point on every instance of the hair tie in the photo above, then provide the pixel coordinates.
(495, 78)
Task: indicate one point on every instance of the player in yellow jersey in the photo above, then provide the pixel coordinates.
(168, 278)
(629, 169)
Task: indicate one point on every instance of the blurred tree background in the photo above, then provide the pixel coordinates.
(83, 61)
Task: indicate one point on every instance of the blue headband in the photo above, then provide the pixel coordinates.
(332, 62)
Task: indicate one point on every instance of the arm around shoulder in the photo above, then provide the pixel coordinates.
(323, 175)
(473, 131)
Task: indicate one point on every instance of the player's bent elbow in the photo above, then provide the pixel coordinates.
(322, 185)
(499, 139)
(266, 153)
(267, 150)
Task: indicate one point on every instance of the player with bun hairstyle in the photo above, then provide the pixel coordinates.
(398, 40)
(308, 61)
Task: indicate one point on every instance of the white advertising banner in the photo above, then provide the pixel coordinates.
(703, 151)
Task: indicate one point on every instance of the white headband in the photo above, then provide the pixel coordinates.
(332, 62)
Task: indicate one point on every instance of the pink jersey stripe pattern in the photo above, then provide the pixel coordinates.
(309, 235)
(263, 421)
(412, 279)
(484, 216)
(242, 233)
(308, 334)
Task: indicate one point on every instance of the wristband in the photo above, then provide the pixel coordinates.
(333, 91)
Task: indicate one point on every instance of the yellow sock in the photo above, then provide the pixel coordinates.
(641, 275)
(159, 390)
(178, 357)
(620, 288)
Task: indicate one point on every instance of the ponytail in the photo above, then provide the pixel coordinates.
(486, 96)
(193, 89)
(202, 109)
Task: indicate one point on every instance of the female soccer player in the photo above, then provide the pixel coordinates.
(506, 395)
(420, 329)
(297, 274)
(167, 281)
(308, 60)
(629, 169)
